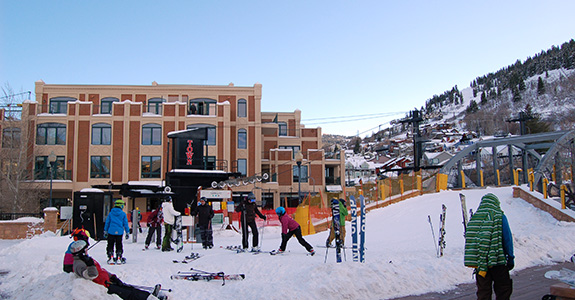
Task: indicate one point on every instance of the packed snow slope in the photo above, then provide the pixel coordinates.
(400, 258)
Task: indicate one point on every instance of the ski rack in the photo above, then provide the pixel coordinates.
(239, 181)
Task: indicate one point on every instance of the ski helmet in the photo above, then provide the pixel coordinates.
(251, 196)
(119, 203)
(202, 199)
(78, 246)
(80, 234)
(280, 211)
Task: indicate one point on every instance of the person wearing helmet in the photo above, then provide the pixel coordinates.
(205, 213)
(249, 209)
(170, 215)
(86, 267)
(290, 228)
(116, 224)
(77, 234)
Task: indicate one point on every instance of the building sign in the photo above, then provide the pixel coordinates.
(188, 151)
(216, 194)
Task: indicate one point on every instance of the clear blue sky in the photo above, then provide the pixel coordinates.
(330, 59)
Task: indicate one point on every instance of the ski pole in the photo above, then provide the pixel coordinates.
(433, 234)
(149, 288)
(93, 245)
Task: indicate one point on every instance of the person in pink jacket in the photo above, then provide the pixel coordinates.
(290, 228)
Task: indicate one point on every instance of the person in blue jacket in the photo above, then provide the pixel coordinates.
(116, 224)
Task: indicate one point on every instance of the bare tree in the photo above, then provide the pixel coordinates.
(17, 193)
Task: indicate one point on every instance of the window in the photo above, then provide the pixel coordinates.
(151, 166)
(11, 137)
(59, 105)
(303, 174)
(211, 141)
(294, 150)
(282, 128)
(242, 139)
(151, 134)
(209, 162)
(200, 106)
(42, 168)
(51, 134)
(242, 108)
(106, 105)
(101, 134)
(155, 105)
(100, 167)
(243, 166)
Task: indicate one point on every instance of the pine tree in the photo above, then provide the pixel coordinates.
(540, 87)
(535, 124)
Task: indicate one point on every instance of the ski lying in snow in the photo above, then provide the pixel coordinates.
(197, 275)
(237, 249)
(188, 258)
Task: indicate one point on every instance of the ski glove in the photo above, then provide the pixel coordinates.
(127, 236)
(105, 234)
(265, 218)
(510, 262)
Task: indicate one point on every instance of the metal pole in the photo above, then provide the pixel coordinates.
(51, 178)
(299, 182)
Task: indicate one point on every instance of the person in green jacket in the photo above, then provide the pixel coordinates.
(342, 214)
(489, 249)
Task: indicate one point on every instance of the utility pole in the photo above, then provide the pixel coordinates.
(417, 139)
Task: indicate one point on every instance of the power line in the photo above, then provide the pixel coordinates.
(352, 118)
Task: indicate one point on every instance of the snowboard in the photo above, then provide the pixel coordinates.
(178, 240)
(335, 223)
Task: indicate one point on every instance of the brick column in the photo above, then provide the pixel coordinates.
(50, 219)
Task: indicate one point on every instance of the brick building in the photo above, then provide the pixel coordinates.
(98, 135)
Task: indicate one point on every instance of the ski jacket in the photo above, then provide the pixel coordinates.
(116, 222)
(249, 211)
(68, 260)
(488, 240)
(155, 218)
(205, 214)
(95, 273)
(288, 224)
(170, 213)
(342, 213)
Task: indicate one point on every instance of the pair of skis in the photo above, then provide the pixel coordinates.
(357, 229)
(188, 258)
(440, 245)
(197, 275)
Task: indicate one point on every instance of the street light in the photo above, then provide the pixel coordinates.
(298, 159)
(51, 160)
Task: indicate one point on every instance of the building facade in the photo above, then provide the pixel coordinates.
(99, 135)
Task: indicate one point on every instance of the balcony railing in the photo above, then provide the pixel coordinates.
(44, 174)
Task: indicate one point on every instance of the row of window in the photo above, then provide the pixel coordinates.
(197, 106)
(151, 167)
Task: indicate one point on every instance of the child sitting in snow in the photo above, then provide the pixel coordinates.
(86, 267)
(289, 228)
(77, 234)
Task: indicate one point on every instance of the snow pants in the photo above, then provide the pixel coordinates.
(206, 235)
(245, 233)
(154, 230)
(297, 233)
(127, 292)
(496, 279)
(167, 243)
(117, 241)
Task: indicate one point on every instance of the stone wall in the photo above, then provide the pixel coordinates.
(26, 228)
(540, 204)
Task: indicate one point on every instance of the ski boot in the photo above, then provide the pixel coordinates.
(255, 249)
(119, 259)
(111, 260)
(311, 252)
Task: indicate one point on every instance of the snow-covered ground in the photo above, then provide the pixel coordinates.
(400, 258)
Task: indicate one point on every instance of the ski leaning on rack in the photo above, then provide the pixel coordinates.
(179, 240)
(197, 275)
(441, 242)
(336, 228)
(354, 229)
(464, 212)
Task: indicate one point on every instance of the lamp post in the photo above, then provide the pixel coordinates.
(51, 160)
(298, 159)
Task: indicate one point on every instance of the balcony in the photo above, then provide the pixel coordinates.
(44, 174)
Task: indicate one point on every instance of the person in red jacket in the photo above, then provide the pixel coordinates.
(154, 223)
(86, 267)
(290, 228)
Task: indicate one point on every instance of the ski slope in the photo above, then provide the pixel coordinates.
(400, 258)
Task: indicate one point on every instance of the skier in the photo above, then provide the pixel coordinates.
(170, 215)
(289, 228)
(205, 213)
(342, 214)
(77, 234)
(154, 223)
(489, 249)
(86, 267)
(116, 224)
(248, 211)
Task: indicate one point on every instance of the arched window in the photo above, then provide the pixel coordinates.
(242, 108)
(59, 105)
(155, 105)
(242, 139)
(101, 134)
(106, 105)
(151, 134)
(51, 134)
(211, 141)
